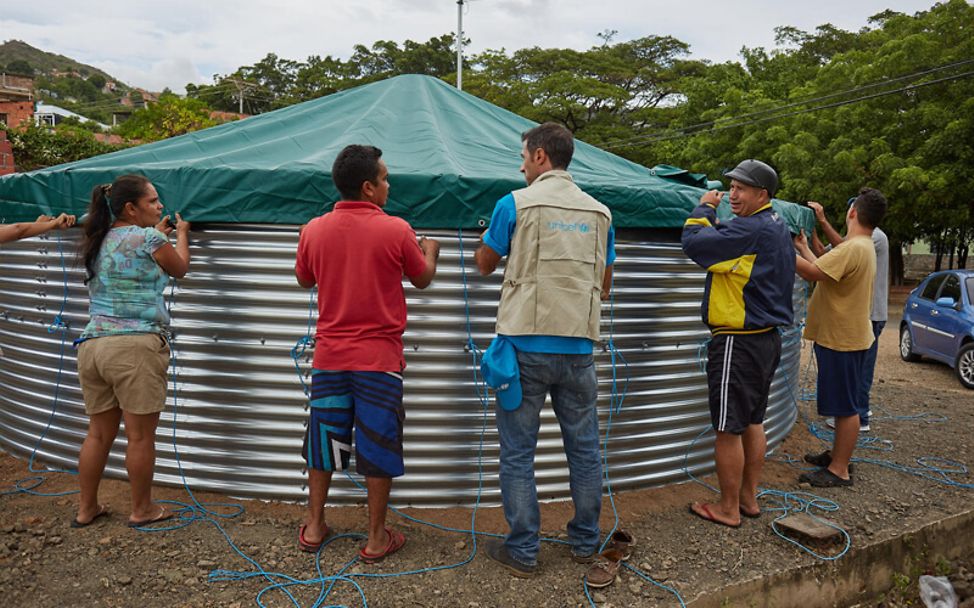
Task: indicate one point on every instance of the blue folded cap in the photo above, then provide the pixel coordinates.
(501, 372)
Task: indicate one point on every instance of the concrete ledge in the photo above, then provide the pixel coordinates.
(863, 573)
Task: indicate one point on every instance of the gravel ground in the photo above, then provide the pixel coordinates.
(43, 562)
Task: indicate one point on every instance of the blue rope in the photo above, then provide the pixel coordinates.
(349, 577)
(29, 484)
(188, 513)
(616, 400)
(304, 343)
(788, 503)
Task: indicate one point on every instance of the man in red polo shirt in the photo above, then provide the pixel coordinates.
(357, 256)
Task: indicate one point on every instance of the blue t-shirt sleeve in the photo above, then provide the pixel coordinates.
(502, 222)
(154, 239)
(610, 247)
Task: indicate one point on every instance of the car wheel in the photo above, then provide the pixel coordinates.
(906, 344)
(964, 365)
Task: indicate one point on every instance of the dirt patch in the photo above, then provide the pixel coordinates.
(44, 562)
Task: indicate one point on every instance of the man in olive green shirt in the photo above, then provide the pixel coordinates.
(838, 322)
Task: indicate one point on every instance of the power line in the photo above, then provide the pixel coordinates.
(229, 91)
(805, 101)
(662, 136)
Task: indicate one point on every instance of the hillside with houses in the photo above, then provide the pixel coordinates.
(54, 109)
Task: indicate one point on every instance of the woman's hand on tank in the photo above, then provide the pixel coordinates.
(59, 222)
(182, 226)
(165, 225)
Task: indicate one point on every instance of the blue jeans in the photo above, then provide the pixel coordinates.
(573, 386)
(869, 366)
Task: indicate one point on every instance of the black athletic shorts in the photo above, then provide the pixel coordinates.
(739, 372)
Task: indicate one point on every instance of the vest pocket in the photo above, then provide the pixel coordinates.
(518, 300)
(566, 307)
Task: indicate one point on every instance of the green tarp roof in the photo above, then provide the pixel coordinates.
(450, 156)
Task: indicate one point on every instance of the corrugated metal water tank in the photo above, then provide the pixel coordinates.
(239, 406)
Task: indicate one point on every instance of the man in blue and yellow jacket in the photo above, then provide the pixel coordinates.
(750, 262)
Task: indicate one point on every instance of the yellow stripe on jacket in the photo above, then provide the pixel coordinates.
(697, 221)
(726, 304)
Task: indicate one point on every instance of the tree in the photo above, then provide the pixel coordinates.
(38, 147)
(601, 94)
(98, 81)
(168, 117)
(274, 82)
(19, 66)
(888, 107)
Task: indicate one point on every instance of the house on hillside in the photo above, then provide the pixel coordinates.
(139, 99)
(16, 99)
(51, 115)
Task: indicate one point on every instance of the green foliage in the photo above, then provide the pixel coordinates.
(71, 121)
(41, 61)
(80, 95)
(916, 145)
(98, 81)
(39, 147)
(168, 117)
(274, 82)
(599, 94)
(942, 567)
(19, 66)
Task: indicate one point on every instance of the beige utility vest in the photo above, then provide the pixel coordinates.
(553, 279)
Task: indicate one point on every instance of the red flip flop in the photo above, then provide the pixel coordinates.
(396, 541)
(707, 515)
(310, 547)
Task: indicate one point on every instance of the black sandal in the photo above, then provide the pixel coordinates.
(824, 478)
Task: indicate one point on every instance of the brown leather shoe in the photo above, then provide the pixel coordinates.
(603, 572)
(624, 541)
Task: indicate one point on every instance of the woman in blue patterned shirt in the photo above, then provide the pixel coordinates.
(123, 357)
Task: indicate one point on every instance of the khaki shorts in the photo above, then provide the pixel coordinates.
(127, 371)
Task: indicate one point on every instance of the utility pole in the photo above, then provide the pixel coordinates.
(242, 89)
(460, 44)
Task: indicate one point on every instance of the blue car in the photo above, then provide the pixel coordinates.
(938, 322)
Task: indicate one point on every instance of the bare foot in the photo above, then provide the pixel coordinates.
(712, 512)
(86, 517)
(315, 533)
(750, 508)
(377, 546)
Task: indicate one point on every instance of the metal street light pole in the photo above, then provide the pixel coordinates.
(460, 44)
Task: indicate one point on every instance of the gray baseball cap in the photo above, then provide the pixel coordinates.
(755, 173)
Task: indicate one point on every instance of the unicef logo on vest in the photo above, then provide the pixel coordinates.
(581, 227)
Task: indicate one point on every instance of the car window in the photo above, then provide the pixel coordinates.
(970, 290)
(951, 288)
(930, 291)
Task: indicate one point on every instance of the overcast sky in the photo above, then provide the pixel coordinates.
(168, 43)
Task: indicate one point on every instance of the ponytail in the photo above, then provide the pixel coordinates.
(107, 202)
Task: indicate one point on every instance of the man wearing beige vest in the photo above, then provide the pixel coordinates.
(559, 245)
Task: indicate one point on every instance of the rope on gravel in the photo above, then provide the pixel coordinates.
(786, 503)
(196, 511)
(29, 485)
